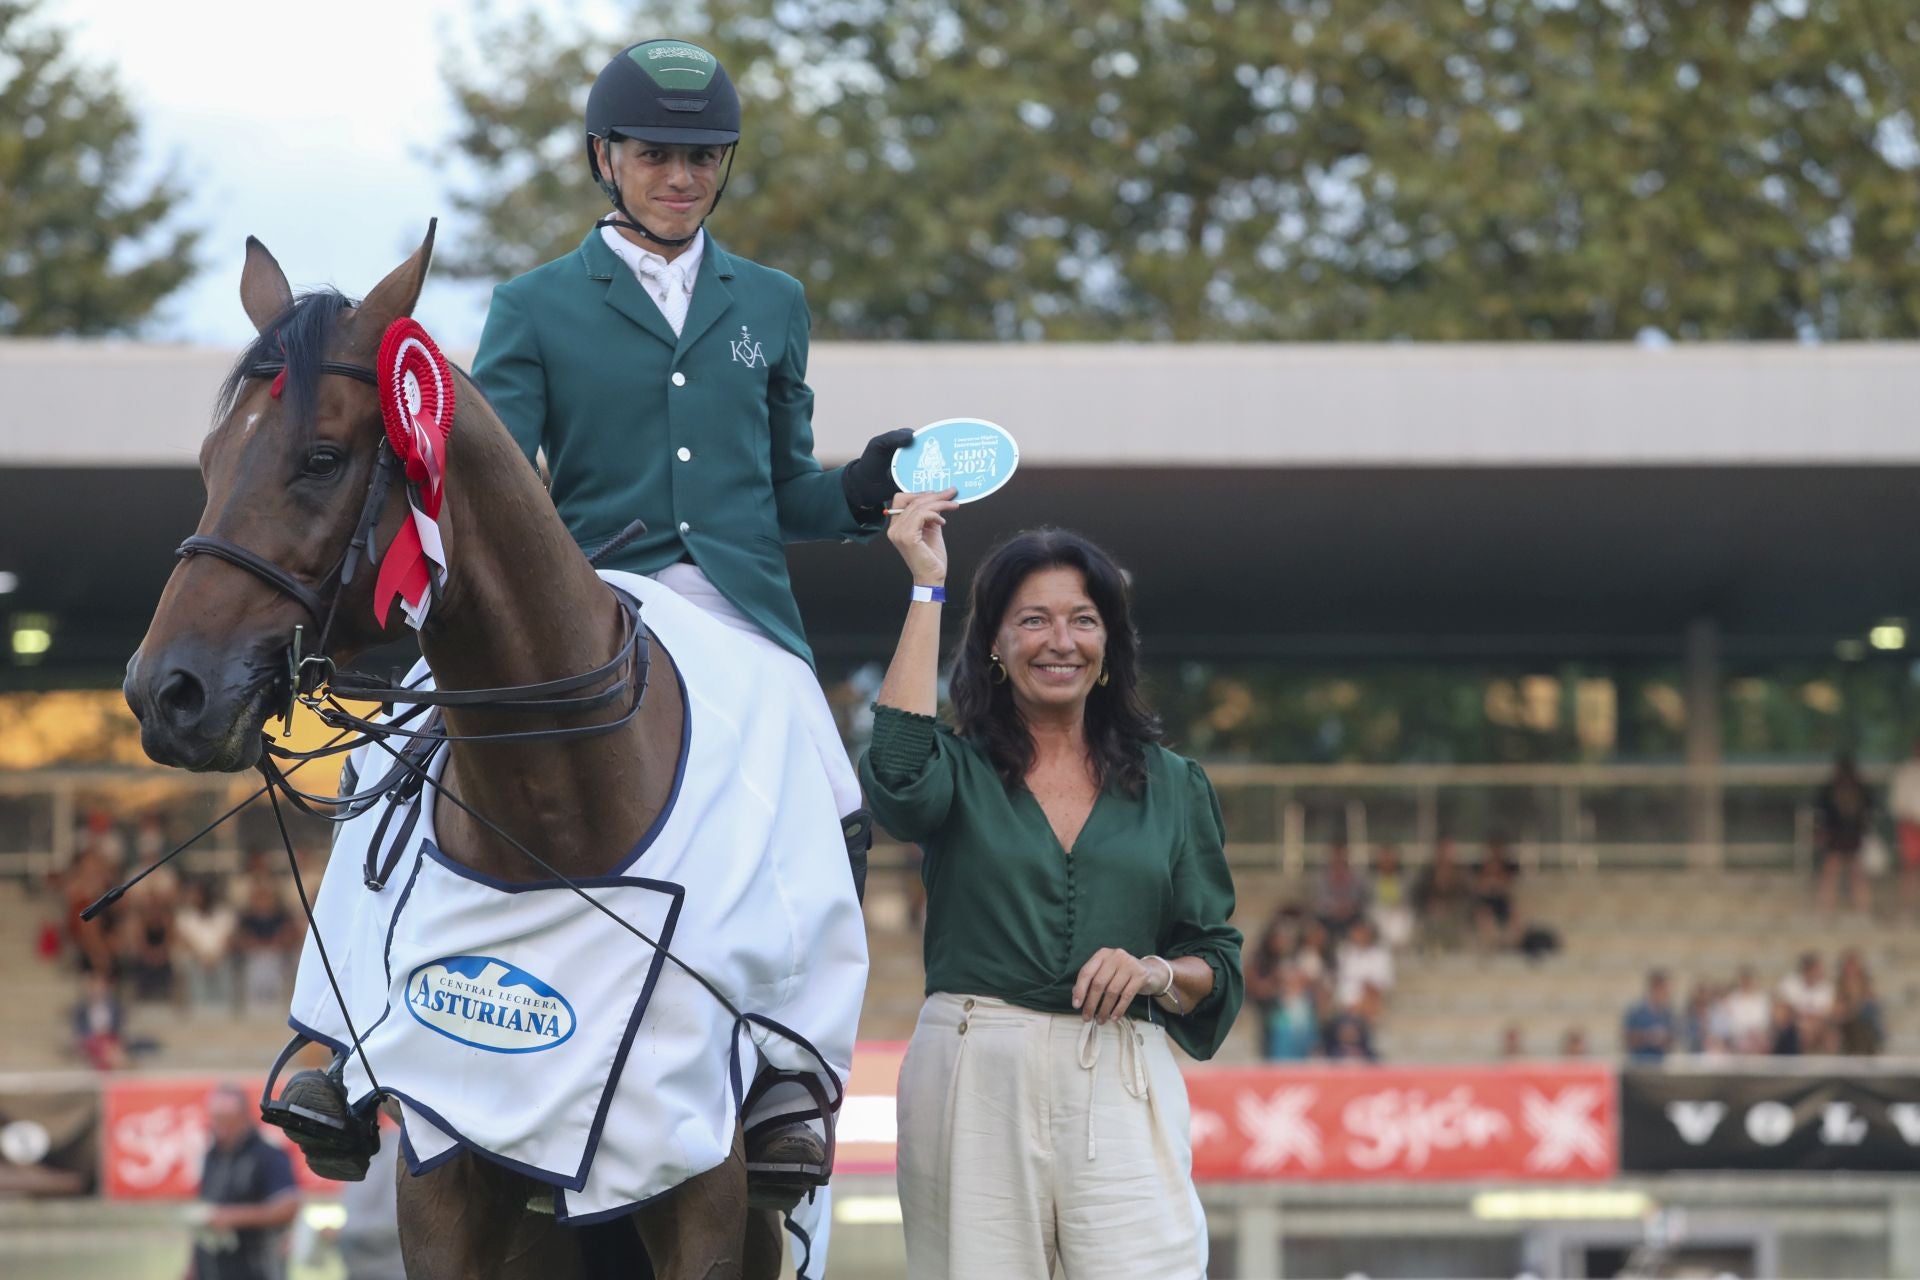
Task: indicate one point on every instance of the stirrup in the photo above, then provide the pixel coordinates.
(338, 1141)
(786, 1160)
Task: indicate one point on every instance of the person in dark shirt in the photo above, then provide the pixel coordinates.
(1652, 1027)
(1843, 811)
(248, 1197)
(1078, 899)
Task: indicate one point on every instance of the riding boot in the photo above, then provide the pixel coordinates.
(857, 827)
(338, 1141)
(784, 1163)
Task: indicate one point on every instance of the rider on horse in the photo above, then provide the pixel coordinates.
(665, 378)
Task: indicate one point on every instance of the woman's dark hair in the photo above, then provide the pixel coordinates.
(1120, 724)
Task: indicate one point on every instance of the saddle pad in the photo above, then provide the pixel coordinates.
(500, 1012)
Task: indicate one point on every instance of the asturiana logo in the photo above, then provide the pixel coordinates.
(489, 1004)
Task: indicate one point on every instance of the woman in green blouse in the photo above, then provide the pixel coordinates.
(1077, 904)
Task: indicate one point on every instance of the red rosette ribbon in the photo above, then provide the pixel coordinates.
(416, 399)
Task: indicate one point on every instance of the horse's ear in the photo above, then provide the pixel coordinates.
(395, 296)
(264, 290)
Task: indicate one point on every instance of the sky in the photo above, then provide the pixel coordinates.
(337, 177)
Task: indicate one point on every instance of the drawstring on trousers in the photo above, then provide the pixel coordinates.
(1133, 1071)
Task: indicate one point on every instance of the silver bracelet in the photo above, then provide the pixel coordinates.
(1167, 992)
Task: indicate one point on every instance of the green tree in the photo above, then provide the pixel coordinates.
(1271, 169)
(73, 217)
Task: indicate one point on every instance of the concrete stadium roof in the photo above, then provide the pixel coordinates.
(126, 404)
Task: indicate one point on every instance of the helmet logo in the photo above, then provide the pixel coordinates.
(673, 64)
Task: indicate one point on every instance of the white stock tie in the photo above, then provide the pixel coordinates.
(668, 286)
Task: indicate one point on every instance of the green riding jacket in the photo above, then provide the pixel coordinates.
(708, 437)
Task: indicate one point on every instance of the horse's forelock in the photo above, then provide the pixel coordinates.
(298, 337)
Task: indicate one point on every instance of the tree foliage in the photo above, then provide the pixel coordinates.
(73, 215)
(1271, 169)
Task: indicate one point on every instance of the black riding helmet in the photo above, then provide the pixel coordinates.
(661, 91)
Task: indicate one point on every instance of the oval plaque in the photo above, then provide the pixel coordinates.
(969, 454)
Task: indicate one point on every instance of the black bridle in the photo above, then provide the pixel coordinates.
(306, 672)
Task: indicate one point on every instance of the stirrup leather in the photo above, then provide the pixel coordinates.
(338, 1140)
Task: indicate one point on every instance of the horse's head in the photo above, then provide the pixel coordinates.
(289, 469)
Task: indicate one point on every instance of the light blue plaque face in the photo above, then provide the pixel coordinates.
(969, 454)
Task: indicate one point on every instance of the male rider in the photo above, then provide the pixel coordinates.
(665, 378)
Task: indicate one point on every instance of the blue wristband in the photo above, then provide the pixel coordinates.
(929, 595)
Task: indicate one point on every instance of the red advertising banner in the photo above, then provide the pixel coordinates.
(1348, 1123)
(154, 1137)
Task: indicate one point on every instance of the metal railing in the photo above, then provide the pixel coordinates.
(1280, 817)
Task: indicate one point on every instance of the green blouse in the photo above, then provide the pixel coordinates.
(1011, 914)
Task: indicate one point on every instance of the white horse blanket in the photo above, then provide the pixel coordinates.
(519, 1022)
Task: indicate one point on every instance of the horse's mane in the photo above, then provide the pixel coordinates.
(298, 336)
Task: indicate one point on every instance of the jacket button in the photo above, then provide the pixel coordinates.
(963, 1028)
(685, 527)
(679, 378)
(685, 454)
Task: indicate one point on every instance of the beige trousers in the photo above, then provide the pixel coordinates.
(1029, 1138)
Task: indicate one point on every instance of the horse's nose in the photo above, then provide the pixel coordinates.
(180, 699)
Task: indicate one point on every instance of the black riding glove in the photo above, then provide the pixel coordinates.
(868, 480)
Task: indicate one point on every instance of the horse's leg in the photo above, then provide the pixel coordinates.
(468, 1220)
(704, 1229)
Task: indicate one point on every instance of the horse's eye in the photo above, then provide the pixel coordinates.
(324, 462)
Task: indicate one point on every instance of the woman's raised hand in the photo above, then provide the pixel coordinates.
(915, 531)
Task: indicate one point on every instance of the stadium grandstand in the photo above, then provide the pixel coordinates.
(1521, 673)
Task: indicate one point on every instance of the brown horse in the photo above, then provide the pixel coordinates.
(287, 476)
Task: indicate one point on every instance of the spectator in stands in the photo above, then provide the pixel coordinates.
(204, 928)
(1266, 961)
(248, 1196)
(1340, 895)
(1443, 898)
(1858, 1030)
(149, 939)
(1747, 1012)
(1293, 1024)
(1843, 815)
(1392, 896)
(265, 939)
(1651, 1028)
(1904, 801)
(1786, 1029)
(1700, 1031)
(99, 1024)
(1808, 992)
(92, 940)
(1574, 1043)
(1348, 1034)
(1362, 961)
(1312, 954)
(1513, 1042)
(1492, 889)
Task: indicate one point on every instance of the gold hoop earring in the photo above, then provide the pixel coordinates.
(997, 670)
(1102, 681)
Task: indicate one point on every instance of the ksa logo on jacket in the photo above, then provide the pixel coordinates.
(488, 1004)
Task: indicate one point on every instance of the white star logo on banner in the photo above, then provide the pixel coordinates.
(1279, 1130)
(1564, 1129)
